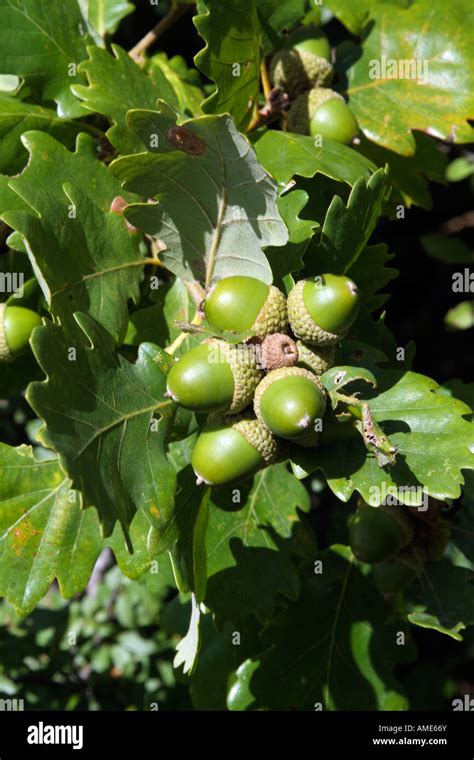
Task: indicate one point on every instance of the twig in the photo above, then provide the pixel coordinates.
(197, 293)
(177, 343)
(162, 26)
(267, 88)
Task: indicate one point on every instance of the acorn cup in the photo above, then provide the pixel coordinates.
(16, 327)
(322, 111)
(322, 311)
(288, 402)
(245, 305)
(317, 359)
(232, 450)
(215, 377)
(303, 62)
(379, 533)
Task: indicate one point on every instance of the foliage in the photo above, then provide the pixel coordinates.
(128, 187)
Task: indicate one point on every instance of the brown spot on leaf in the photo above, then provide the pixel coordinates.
(184, 139)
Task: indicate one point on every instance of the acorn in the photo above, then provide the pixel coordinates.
(317, 359)
(288, 402)
(232, 450)
(246, 305)
(379, 533)
(214, 377)
(321, 311)
(394, 575)
(303, 62)
(321, 111)
(16, 326)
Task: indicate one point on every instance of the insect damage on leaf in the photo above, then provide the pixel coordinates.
(184, 139)
(375, 439)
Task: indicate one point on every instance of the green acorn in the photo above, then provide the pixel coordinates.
(304, 62)
(16, 326)
(321, 311)
(321, 111)
(317, 359)
(288, 402)
(246, 305)
(394, 575)
(379, 533)
(215, 377)
(232, 450)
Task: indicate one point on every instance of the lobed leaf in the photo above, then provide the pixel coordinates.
(251, 536)
(82, 253)
(231, 56)
(100, 413)
(217, 207)
(44, 533)
(55, 36)
(343, 659)
(434, 85)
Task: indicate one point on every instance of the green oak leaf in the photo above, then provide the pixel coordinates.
(101, 417)
(250, 538)
(462, 391)
(17, 117)
(185, 82)
(354, 16)
(231, 56)
(338, 377)
(275, 17)
(104, 16)
(434, 444)
(219, 658)
(409, 175)
(149, 547)
(285, 154)
(333, 649)
(443, 599)
(290, 259)
(188, 555)
(157, 323)
(435, 90)
(44, 532)
(115, 85)
(371, 274)
(82, 253)
(217, 207)
(55, 37)
(347, 228)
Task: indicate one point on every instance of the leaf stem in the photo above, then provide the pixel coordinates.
(162, 26)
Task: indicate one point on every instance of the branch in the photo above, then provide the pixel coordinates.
(162, 26)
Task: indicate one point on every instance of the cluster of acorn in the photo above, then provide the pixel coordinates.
(397, 541)
(302, 69)
(266, 389)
